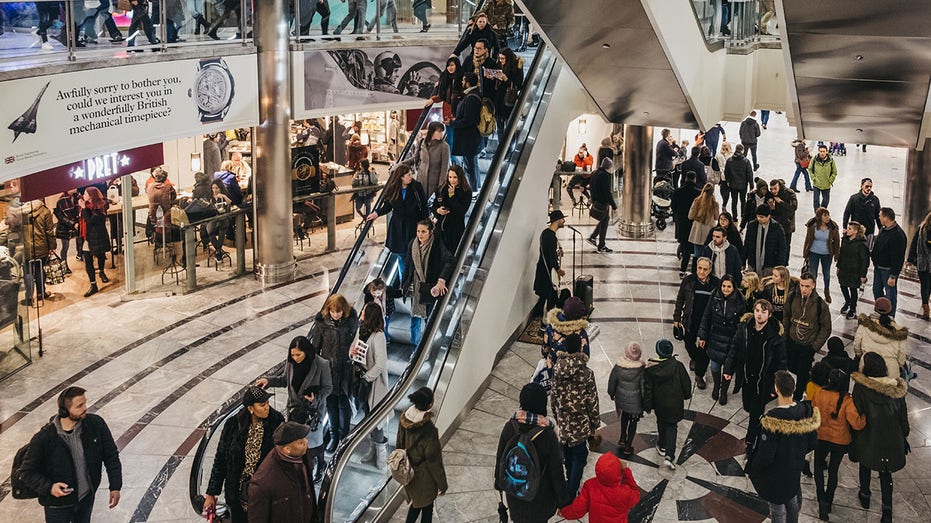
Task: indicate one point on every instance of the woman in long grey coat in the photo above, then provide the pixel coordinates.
(625, 387)
(374, 373)
(309, 383)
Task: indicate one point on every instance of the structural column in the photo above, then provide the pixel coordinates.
(635, 219)
(272, 179)
(917, 188)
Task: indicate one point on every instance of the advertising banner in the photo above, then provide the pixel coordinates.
(347, 79)
(54, 120)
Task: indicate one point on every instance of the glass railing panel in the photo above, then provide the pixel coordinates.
(369, 19)
(355, 485)
(737, 24)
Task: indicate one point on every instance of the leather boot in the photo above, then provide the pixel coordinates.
(700, 382)
(334, 441)
(92, 291)
(887, 515)
(722, 398)
(823, 510)
(925, 311)
(321, 468)
(715, 392)
(827, 295)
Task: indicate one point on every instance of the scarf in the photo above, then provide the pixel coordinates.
(421, 256)
(364, 333)
(414, 415)
(253, 453)
(299, 372)
(719, 259)
(478, 63)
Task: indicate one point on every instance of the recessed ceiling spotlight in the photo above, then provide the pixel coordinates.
(606, 46)
(859, 130)
(646, 113)
(858, 57)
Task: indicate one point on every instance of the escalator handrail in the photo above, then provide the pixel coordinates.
(211, 429)
(382, 408)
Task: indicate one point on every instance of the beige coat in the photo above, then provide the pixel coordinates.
(376, 365)
(890, 344)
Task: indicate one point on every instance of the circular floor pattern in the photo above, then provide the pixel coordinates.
(708, 482)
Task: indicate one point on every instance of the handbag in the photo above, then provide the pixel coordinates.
(598, 210)
(510, 96)
(54, 270)
(804, 163)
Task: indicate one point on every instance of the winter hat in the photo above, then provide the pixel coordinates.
(573, 343)
(836, 346)
(883, 305)
(533, 398)
(761, 184)
(664, 348)
(573, 309)
(289, 431)
(632, 352)
(607, 164)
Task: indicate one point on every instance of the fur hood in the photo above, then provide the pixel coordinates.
(892, 387)
(555, 318)
(871, 323)
(422, 418)
(771, 324)
(625, 363)
(792, 426)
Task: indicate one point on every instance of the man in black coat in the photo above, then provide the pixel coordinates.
(738, 173)
(725, 258)
(863, 208)
(480, 60)
(764, 243)
(65, 459)
(466, 139)
(232, 458)
(776, 461)
(693, 296)
(600, 187)
(783, 207)
(749, 133)
(682, 199)
(758, 197)
(888, 257)
(695, 165)
(543, 284)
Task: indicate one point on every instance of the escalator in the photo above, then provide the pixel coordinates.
(360, 489)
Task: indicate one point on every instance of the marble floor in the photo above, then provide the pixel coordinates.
(635, 289)
(159, 370)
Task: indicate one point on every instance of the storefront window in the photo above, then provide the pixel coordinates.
(15, 310)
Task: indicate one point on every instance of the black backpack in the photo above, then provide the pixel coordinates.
(520, 471)
(18, 487)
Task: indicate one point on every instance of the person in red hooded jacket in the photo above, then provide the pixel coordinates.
(609, 496)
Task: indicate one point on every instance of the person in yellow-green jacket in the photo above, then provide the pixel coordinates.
(823, 173)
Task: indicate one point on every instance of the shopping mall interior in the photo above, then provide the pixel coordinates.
(224, 140)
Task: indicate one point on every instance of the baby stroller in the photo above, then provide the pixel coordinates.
(661, 206)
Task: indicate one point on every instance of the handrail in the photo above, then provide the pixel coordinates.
(382, 408)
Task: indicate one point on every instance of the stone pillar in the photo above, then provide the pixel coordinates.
(635, 219)
(272, 152)
(917, 188)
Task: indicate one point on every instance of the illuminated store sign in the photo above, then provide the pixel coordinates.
(99, 169)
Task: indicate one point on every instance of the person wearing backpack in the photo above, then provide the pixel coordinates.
(63, 462)
(541, 465)
(609, 496)
(807, 322)
(466, 139)
(419, 438)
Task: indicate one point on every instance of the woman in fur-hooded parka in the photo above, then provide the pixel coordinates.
(561, 323)
(889, 342)
(880, 445)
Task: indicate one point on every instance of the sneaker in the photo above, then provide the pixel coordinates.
(117, 39)
(845, 308)
(605, 249)
(667, 462)
(47, 46)
(592, 242)
(793, 189)
(660, 451)
(851, 314)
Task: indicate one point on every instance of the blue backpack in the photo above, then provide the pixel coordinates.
(520, 470)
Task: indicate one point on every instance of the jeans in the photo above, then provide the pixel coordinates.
(575, 457)
(340, 413)
(356, 15)
(827, 455)
(667, 432)
(64, 244)
(366, 203)
(216, 233)
(885, 485)
(89, 264)
(78, 513)
(141, 18)
(799, 359)
(35, 282)
(91, 19)
(786, 512)
(803, 171)
(821, 198)
(390, 9)
(881, 286)
(601, 230)
(850, 296)
(416, 330)
(715, 366)
(322, 7)
(750, 148)
(420, 13)
(699, 356)
(735, 196)
(425, 514)
(764, 116)
(815, 259)
(923, 277)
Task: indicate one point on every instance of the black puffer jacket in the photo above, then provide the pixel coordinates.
(719, 323)
(738, 173)
(758, 382)
(331, 340)
(231, 453)
(881, 444)
(776, 461)
(48, 461)
(666, 386)
(853, 262)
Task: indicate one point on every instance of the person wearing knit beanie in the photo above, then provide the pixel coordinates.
(633, 352)
(666, 387)
(625, 387)
(664, 348)
(533, 399)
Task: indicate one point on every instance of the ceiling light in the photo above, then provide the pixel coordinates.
(858, 57)
(606, 46)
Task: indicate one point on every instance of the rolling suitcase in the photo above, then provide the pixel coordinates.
(584, 289)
